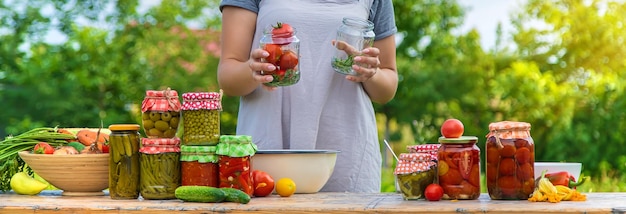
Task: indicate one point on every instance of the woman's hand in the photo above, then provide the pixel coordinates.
(261, 71)
(366, 62)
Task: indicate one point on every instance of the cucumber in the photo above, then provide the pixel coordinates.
(235, 195)
(200, 194)
(78, 146)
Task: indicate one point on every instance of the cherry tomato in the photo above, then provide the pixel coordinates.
(275, 52)
(43, 148)
(282, 30)
(263, 183)
(433, 192)
(452, 128)
(288, 60)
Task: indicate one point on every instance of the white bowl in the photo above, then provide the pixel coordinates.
(551, 167)
(309, 169)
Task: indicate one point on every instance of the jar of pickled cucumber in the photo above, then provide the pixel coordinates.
(414, 172)
(201, 118)
(459, 167)
(160, 167)
(283, 46)
(160, 113)
(199, 166)
(235, 153)
(124, 161)
(510, 160)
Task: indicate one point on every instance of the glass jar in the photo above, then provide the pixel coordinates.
(353, 35)
(235, 152)
(201, 118)
(414, 172)
(284, 50)
(160, 168)
(510, 160)
(124, 161)
(160, 113)
(459, 167)
(199, 166)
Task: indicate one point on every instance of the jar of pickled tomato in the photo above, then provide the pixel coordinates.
(199, 166)
(510, 160)
(459, 167)
(235, 153)
(283, 46)
(414, 172)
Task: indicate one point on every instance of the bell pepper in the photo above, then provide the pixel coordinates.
(565, 179)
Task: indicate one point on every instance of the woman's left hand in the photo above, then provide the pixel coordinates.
(365, 65)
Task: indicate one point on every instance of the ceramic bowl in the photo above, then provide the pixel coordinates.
(309, 169)
(551, 167)
(76, 175)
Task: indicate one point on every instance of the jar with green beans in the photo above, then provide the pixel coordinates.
(124, 161)
(160, 113)
(201, 118)
(160, 168)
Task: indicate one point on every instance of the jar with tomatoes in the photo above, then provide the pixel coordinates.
(414, 172)
(160, 113)
(160, 167)
(199, 166)
(235, 152)
(510, 160)
(353, 35)
(283, 46)
(459, 167)
(201, 118)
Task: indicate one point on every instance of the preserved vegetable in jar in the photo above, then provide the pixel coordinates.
(353, 36)
(201, 118)
(160, 168)
(160, 113)
(235, 152)
(283, 46)
(510, 155)
(459, 167)
(124, 161)
(414, 172)
(199, 166)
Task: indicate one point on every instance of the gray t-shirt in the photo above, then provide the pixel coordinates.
(323, 110)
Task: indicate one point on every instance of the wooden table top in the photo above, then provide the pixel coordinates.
(53, 202)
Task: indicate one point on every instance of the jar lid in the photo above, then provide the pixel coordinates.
(236, 146)
(431, 149)
(509, 129)
(458, 140)
(124, 127)
(202, 100)
(159, 145)
(413, 162)
(202, 154)
(165, 100)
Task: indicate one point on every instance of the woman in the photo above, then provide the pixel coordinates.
(325, 109)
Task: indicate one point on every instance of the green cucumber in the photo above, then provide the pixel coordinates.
(200, 194)
(235, 195)
(78, 146)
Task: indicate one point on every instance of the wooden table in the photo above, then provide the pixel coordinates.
(53, 202)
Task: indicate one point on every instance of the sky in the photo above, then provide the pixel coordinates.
(484, 15)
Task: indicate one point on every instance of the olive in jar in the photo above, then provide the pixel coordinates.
(160, 124)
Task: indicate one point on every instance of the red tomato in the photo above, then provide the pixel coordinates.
(105, 148)
(288, 60)
(263, 183)
(275, 52)
(43, 148)
(452, 128)
(282, 30)
(433, 192)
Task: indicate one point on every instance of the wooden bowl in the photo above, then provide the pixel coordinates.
(76, 175)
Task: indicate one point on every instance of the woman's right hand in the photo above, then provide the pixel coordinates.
(261, 71)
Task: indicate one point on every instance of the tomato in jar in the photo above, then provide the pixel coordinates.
(234, 172)
(459, 167)
(199, 166)
(510, 161)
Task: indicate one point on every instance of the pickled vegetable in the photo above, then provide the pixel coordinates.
(124, 162)
(160, 175)
(459, 167)
(413, 185)
(157, 124)
(202, 127)
(234, 172)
